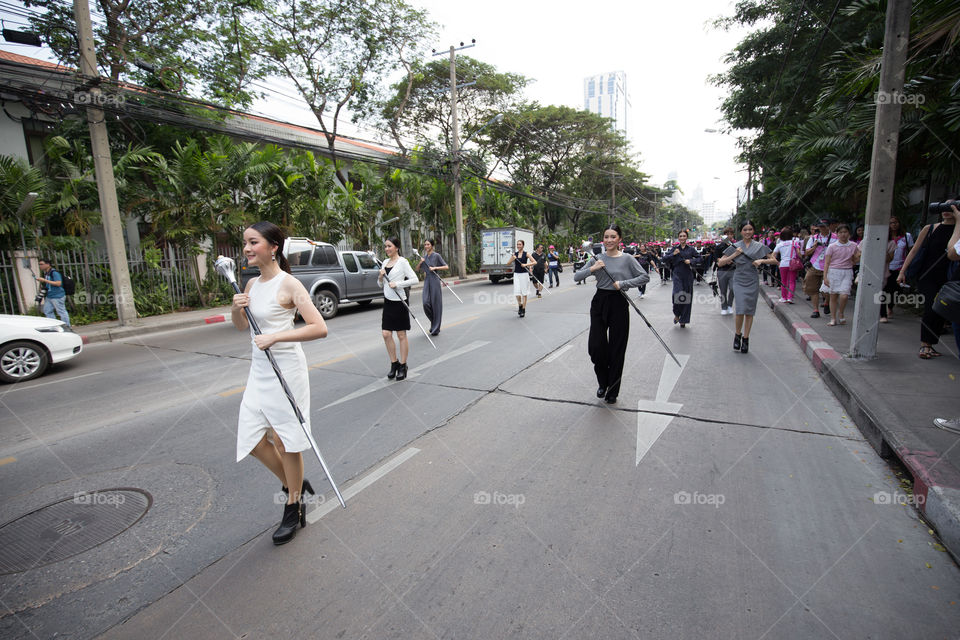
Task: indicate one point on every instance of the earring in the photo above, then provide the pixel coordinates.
(274, 257)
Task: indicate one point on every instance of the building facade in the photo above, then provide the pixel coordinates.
(606, 95)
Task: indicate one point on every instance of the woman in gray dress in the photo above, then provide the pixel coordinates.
(746, 256)
(432, 295)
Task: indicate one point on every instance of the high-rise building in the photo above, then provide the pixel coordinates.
(606, 95)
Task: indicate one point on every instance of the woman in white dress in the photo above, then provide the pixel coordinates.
(268, 427)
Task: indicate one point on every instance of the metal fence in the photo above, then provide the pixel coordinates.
(172, 279)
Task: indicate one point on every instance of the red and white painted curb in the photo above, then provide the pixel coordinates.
(813, 345)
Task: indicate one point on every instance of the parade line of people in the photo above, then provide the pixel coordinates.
(271, 431)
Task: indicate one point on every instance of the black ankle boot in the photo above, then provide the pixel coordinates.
(306, 487)
(745, 346)
(292, 516)
(737, 342)
(394, 367)
(401, 371)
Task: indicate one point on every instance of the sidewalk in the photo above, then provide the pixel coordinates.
(111, 329)
(893, 400)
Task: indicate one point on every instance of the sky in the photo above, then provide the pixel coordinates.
(668, 51)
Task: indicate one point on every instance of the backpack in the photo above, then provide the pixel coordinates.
(69, 286)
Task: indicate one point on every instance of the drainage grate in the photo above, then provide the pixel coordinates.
(68, 527)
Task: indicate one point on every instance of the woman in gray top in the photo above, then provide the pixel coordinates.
(615, 271)
(746, 256)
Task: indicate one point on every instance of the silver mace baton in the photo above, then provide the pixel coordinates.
(429, 270)
(637, 309)
(404, 303)
(225, 267)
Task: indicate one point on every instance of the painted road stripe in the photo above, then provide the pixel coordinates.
(231, 392)
(650, 426)
(559, 352)
(329, 504)
(464, 321)
(17, 387)
(7, 460)
(382, 383)
(332, 361)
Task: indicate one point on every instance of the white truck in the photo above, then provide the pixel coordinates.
(498, 245)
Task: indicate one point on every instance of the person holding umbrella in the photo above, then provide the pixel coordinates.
(682, 260)
(268, 428)
(432, 287)
(395, 275)
(747, 256)
(615, 271)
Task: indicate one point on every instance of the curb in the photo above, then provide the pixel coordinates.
(935, 487)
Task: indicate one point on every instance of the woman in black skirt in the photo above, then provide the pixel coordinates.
(396, 274)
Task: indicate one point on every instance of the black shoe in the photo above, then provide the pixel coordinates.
(393, 370)
(306, 487)
(815, 314)
(292, 516)
(402, 371)
(435, 333)
(601, 391)
(683, 326)
(676, 319)
(523, 312)
(745, 346)
(610, 399)
(737, 342)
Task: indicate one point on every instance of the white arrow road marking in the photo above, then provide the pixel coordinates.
(650, 426)
(359, 485)
(380, 383)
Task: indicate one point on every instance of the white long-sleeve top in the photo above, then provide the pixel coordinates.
(401, 273)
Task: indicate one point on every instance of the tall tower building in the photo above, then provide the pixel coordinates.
(606, 95)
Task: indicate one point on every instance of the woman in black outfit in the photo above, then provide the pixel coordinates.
(933, 274)
(615, 271)
(682, 259)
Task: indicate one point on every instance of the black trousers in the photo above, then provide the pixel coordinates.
(609, 332)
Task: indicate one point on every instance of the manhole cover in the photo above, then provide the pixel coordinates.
(68, 527)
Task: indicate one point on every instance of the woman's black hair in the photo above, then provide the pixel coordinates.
(433, 243)
(786, 233)
(613, 226)
(395, 241)
(685, 232)
(844, 226)
(275, 236)
(745, 223)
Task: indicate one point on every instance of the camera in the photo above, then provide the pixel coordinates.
(943, 207)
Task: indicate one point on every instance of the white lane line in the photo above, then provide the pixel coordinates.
(381, 383)
(330, 503)
(559, 352)
(16, 387)
(650, 426)
(669, 375)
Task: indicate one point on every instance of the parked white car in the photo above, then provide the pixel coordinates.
(28, 345)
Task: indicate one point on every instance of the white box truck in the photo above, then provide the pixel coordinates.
(498, 245)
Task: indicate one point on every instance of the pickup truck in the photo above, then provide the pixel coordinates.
(331, 277)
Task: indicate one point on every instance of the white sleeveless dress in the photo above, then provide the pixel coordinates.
(264, 403)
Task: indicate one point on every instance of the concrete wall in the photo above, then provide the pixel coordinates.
(13, 142)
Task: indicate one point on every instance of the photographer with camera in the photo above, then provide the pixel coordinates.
(930, 251)
(815, 251)
(52, 294)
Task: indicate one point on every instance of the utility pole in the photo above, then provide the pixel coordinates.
(103, 165)
(461, 248)
(613, 198)
(883, 166)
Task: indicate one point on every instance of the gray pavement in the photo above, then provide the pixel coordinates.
(893, 399)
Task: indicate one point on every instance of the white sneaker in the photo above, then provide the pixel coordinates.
(949, 424)
(782, 300)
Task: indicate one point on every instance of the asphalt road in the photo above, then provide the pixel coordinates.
(490, 494)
